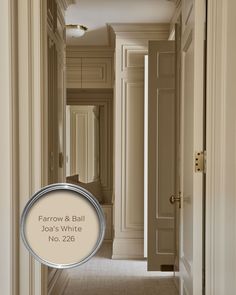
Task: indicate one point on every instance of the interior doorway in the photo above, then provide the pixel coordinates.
(93, 69)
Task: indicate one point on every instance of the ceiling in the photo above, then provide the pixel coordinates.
(96, 14)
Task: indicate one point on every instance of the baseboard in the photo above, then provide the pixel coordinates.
(58, 283)
(127, 249)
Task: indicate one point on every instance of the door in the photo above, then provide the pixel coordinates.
(162, 145)
(192, 143)
(163, 160)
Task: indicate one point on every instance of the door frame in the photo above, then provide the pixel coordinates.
(33, 125)
(8, 153)
(23, 156)
(216, 191)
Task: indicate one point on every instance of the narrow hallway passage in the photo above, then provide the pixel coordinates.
(104, 276)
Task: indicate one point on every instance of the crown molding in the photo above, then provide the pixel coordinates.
(138, 27)
(139, 30)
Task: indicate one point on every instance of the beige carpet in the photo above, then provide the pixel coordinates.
(104, 276)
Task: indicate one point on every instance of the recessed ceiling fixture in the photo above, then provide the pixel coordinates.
(75, 31)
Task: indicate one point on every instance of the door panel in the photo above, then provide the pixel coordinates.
(161, 155)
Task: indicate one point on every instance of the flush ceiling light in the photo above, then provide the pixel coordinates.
(75, 31)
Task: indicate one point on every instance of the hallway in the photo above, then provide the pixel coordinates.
(102, 275)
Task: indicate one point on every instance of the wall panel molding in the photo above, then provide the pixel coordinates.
(94, 67)
(132, 57)
(132, 127)
(89, 72)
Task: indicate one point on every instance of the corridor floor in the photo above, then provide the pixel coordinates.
(104, 276)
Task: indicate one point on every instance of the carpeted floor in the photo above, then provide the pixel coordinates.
(104, 276)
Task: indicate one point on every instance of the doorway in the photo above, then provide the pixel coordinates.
(94, 67)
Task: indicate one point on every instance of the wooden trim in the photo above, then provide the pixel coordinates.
(44, 79)
(9, 150)
(31, 38)
(15, 142)
(215, 195)
(44, 119)
(198, 121)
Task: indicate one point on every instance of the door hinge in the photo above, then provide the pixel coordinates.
(200, 161)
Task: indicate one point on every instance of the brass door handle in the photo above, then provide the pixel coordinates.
(174, 199)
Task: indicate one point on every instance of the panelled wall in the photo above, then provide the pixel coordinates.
(89, 67)
(131, 46)
(89, 81)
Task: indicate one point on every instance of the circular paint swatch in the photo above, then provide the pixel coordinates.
(62, 225)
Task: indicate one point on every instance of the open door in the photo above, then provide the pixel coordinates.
(163, 142)
(192, 151)
(161, 155)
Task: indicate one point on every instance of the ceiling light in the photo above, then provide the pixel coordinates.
(75, 31)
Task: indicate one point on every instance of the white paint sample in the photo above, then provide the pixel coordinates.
(62, 228)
